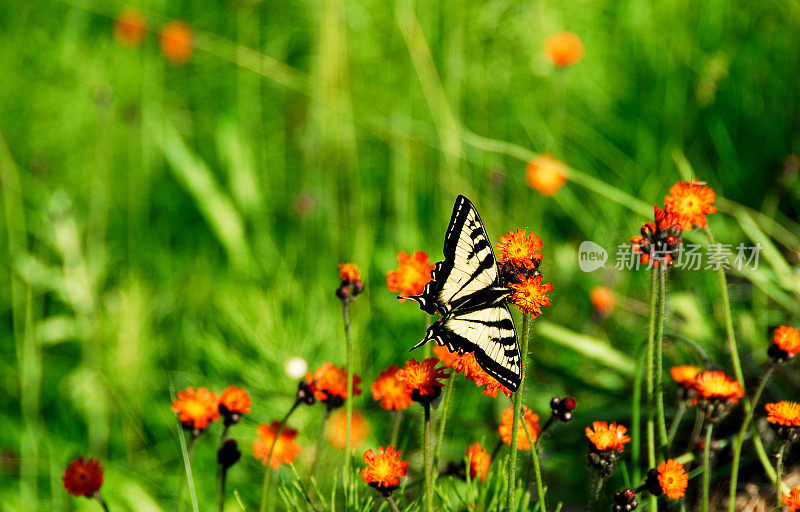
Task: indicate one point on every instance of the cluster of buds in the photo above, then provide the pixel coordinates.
(660, 240)
(604, 461)
(606, 444)
(351, 285)
(228, 454)
(625, 501)
(305, 394)
(562, 408)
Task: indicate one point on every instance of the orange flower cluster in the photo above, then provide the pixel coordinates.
(468, 366)
(531, 294)
(545, 174)
(659, 240)
(196, 409)
(130, 28)
(690, 202)
(673, 478)
(479, 460)
(521, 249)
(607, 437)
(785, 343)
(412, 274)
(783, 413)
(564, 49)
(384, 469)
(83, 477)
(715, 385)
(506, 429)
(684, 375)
(336, 429)
(177, 42)
(351, 285)
(603, 300)
(233, 403)
(329, 384)
(422, 378)
(518, 267)
(394, 395)
(285, 450)
(792, 499)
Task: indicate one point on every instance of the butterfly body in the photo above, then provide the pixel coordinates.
(465, 289)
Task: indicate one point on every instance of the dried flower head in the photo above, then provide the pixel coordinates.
(423, 378)
(672, 478)
(177, 42)
(196, 409)
(564, 49)
(478, 460)
(546, 175)
(83, 477)
(530, 295)
(792, 500)
(384, 469)
(130, 27)
(233, 403)
(785, 343)
(412, 274)
(603, 300)
(286, 447)
(336, 429)
(660, 241)
(521, 249)
(531, 420)
(329, 384)
(393, 394)
(690, 202)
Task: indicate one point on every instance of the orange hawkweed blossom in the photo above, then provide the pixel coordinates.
(715, 385)
(233, 403)
(690, 202)
(530, 294)
(130, 28)
(422, 378)
(196, 409)
(783, 413)
(545, 174)
(603, 300)
(349, 273)
(792, 500)
(673, 478)
(564, 49)
(336, 429)
(329, 384)
(479, 460)
(83, 477)
(607, 437)
(286, 447)
(787, 339)
(412, 274)
(393, 394)
(176, 42)
(468, 366)
(684, 374)
(521, 249)
(531, 420)
(384, 469)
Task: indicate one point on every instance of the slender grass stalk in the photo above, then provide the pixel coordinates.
(512, 465)
(737, 447)
(707, 466)
(537, 470)
(659, 398)
(397, 419)
(187, 463)
(101, 501)
(779, 474)
(392, 504)
(349, 401)
(320, 444)
(649, 387)
(448, 393)
(267, 483)
(426, 458)
(676, 423)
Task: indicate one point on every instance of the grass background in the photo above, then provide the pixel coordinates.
(151, 237)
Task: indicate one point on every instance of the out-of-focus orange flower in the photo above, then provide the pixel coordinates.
(177, 42)
(233, 402)
(130, 27)
(546, 175)
(603, 299)
(784, 413)
(393, 394)
(83, 477)
(564, 49)
(329, 384)
(479, 460)
(422, 378)
(286, 448)
(467, 365)
(349, 273)
(684, 374)
(530, 294)
(659, 240)
(792, 499)
(531, 420)
(787, 339)
(336, 429)
(715, 385)
(690, 202)
(607, 437)
(412, 274)
(196, 409)
(384, 469)
(521, 248)
(673, 478)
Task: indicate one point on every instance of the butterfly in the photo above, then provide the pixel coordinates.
(465, 289)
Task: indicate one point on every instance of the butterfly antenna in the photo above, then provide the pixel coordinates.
(424, 341)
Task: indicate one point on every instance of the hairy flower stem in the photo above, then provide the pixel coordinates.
(392, 504)
(397, 419)
(512, 464)
(265, 486)
(597, 486)
(676, 423)
(103, 503)
(649, 383)
(737, 446)
(448, 392)
(222, 480)
(537, 470)
(662, 308)
(707, 466)
(349, 401)
(779, 473)
(426, 458)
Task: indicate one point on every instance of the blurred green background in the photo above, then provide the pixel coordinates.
(166, 226)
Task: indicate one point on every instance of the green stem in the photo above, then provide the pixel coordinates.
(662, 307)
(103, 503)
(448, 392)
(597, 486)
(512, 465)
(536, 467)
(267, 483)
(649, 387)
(223, 478)
(676, 422)
(779, 474)
(426, 459)
(187, 462)
(636, 412)
(320, 443)
(737, 447)
(397, 419)
(707, 466)
(392, 504)
(349, 400)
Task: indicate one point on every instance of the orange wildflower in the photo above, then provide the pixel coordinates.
(233, 402)
(349, 273)
(83, 477)
(521, 249)
(673, 478)
(715, 385)
(607, 437)
(130, 27)
(329, 384)
(690, 202)
(792, 499)
(467, 365)
(393, 394)
(531, 421)
(286, 448)
(176, 42)
(603, 299)
(531, 294)
(478, 459)
(422, 378)
(659, 240)
(784, 413)
(384, 469)
(196, 409)
(564, 49)
(545, 174)
(412, 274)
(336, 429)
(787, 339)
(684, 374)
